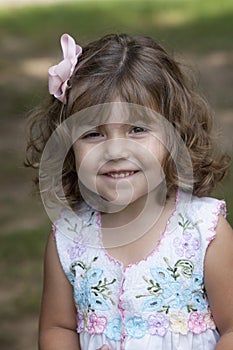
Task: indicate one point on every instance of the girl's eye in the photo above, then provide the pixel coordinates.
(138, 130)
(92, 135)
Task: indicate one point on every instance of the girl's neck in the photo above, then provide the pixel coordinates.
(136, 219)
(150, 203)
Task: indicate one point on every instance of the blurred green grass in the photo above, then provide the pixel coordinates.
(190, 26)
(193, 27)
(21, 270)
(21, 264)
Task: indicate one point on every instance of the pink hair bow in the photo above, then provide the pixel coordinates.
(61, 73)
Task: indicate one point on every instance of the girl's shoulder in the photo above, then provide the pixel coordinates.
(74, 223)
(200, 213)
(76, 233)
(207, 207)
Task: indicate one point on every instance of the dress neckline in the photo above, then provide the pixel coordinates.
(154, 250)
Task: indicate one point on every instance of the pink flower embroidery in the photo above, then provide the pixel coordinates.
(61, 73)
(197, 323)
(97, 324)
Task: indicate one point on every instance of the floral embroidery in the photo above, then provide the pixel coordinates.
(197, 323)
(209, 320)
(198, 301)
(187, 245)
(166, 291)
(80, 322)
(71, 278)
(173, 298)
(96, 325)
(197, 281)
(173, 292)
(153, 304)
(178, 323)
(92, 290)
(75, 251)
(82, 295)
(158, 324)
(94, 275)
(136, 326)
(113, 329)
(181, 297)
(182, 266)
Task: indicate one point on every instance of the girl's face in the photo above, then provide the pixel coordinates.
(120, 162)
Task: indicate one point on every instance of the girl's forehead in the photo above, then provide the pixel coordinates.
(115, 125)
(118, 113)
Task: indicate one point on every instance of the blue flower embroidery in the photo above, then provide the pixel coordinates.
(98, 303)
(94, 275)
(160, 274)
(173, 287)
(169, 289)
(152, 304)
(136, 326)
(198, 301)
(113, 329)
(197, 281)
(71, 278)
(182, 297)
(92, 290)
(82, 295)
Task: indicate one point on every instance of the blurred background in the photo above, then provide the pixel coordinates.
(199, 32)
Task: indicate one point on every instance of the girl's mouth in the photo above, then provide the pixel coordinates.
(120, 174)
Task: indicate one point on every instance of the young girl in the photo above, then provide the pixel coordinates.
(141, 257)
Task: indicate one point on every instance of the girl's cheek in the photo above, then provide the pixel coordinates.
(80, 153)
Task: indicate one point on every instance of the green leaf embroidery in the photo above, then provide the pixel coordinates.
(186, 224)
(187, 267)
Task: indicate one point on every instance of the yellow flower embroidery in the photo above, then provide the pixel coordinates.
(179, 323)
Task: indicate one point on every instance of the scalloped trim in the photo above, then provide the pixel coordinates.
(220, 209)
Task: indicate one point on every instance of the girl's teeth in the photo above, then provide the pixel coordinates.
(121, 175)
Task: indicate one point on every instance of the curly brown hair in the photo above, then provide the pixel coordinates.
(139, 71)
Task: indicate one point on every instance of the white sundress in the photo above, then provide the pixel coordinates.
(158, 303)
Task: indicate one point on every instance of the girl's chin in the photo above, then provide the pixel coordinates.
(121, 200)
(117, 201)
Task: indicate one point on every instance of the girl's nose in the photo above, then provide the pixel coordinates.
(116, 149)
